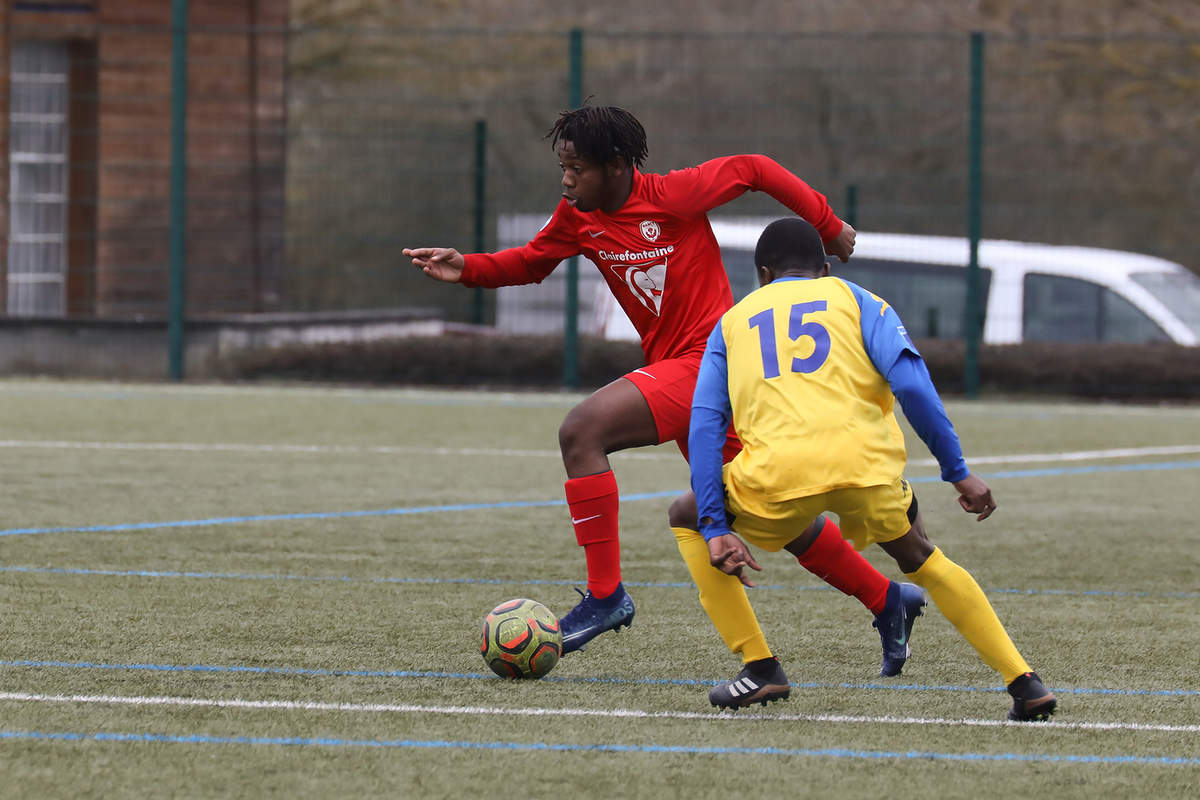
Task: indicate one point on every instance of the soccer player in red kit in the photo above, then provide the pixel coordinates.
(650, 238)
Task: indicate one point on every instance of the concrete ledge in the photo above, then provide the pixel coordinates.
(136, 349)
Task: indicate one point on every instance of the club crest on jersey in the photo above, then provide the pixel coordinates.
(650, 230)
(645, 284)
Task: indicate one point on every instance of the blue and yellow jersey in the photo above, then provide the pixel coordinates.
(804, 363)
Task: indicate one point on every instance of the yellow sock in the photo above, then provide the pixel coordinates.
(724, 599)
(960, 599)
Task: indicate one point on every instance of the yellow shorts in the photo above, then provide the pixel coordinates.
(865, 514)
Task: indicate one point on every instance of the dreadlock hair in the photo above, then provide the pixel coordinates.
(601, 134)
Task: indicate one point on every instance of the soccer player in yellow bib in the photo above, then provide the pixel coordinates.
(809, 368)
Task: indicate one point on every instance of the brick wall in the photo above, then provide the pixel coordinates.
(120, 150)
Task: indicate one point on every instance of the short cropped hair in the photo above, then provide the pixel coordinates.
(601, 134)
(790, 243)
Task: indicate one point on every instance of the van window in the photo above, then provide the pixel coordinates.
(739, 265)
(1059, 309)
(1178, 291)
(931, 299)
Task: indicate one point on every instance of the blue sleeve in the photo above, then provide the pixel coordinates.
(884, 335)
(910, 382)
(893, 353)
(711, 414)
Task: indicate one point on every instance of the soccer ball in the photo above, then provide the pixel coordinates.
(521, 639)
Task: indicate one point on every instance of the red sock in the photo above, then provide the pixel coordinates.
(833, 560)
(593, 502)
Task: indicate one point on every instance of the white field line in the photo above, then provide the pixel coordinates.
(398, 708)
(670, 455)
(88, 389)
(321, 449)
(1079, 455)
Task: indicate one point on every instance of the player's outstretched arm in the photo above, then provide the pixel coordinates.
(842, 245)
(441, 263)
(975, 497)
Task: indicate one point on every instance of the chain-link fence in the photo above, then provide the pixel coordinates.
(314, 154)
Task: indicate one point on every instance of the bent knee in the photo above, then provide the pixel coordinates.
(573, 430)
(682, 513)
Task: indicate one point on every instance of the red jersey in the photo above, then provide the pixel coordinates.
(657, 252)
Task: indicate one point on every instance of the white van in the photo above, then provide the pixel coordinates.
(1033, 292)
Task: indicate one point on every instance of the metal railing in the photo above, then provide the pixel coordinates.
(312, 155)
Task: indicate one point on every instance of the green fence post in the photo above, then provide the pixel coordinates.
(177, 236)
(974, 314)
(480, 209)
(571, 315)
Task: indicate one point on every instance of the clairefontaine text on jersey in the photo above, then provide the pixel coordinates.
(643, 255)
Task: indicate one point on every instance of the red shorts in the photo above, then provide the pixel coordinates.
(668, 387)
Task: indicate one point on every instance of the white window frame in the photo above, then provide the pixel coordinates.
(38, 142)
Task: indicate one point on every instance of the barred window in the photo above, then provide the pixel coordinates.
(37, 189)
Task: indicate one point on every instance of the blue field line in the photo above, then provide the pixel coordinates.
(461, 507)
(349, 579)
(373, 673)
(442, 744)
(382, 512)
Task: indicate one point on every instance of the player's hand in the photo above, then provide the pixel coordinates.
(729, 554)
(441, 263)
(975, 497)
(842, 245)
